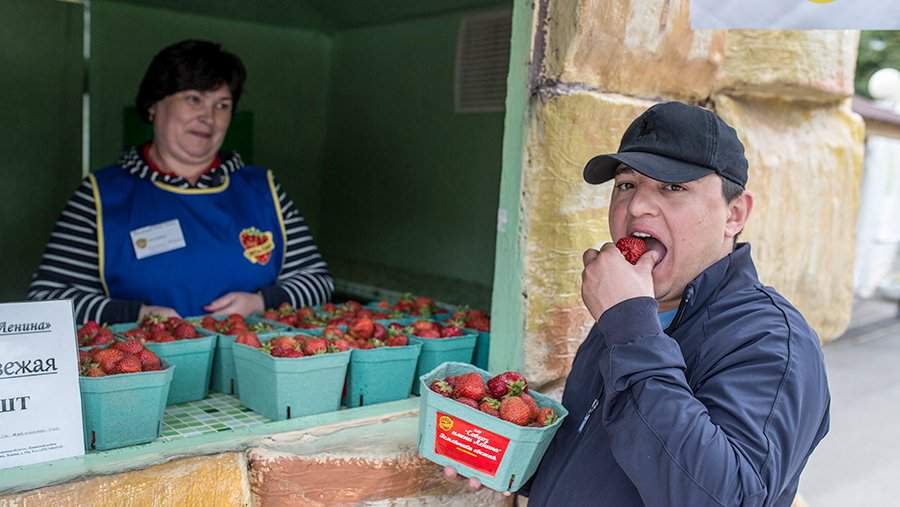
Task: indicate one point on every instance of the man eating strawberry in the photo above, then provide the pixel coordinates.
(697, 385)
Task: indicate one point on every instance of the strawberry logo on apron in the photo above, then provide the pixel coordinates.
(257, 245)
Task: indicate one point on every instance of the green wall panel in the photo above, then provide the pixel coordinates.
(286, 87)
(40, 129)
(410, 183)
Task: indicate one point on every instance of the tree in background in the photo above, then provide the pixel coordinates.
(877, 49)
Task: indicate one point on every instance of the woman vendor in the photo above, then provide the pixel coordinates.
(176, 227)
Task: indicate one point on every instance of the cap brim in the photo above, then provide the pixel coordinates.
(602, 168)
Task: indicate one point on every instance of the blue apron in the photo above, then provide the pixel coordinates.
(233, 235)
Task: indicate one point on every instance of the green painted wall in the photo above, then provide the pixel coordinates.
(286, 87)
(411, 184)
(40, 129)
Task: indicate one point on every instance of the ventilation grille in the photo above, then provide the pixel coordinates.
(482, 62)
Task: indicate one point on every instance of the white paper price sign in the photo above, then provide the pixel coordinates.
(40, 402)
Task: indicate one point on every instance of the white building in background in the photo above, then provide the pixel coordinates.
(877, 268)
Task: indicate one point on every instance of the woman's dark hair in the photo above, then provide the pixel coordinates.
(189, 65)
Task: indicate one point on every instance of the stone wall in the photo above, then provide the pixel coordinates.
(602, 62)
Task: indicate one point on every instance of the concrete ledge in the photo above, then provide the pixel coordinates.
(213, 481)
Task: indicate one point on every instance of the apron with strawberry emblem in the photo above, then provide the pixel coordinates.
(185, 247)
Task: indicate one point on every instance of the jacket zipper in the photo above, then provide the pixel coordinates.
(682, 308)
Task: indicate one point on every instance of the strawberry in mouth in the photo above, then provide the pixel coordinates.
(652, 244)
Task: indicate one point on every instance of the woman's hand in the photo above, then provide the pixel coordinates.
(165, 311)
(473, 483)
(243, 303)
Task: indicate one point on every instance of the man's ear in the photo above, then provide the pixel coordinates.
(738, 212)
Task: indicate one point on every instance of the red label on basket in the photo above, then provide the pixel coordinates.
(470, 445)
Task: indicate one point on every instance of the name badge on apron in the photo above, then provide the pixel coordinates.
(157, 239)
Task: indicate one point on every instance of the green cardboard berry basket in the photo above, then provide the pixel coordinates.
(381, 375)
(502, 455)
(193, 359)
(124, 409)
(284, 388)
(436, 351)
(223, 378)
(482, 348)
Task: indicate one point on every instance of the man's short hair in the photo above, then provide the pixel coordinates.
(730, 190)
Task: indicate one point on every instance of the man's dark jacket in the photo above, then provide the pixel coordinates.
(722, 408)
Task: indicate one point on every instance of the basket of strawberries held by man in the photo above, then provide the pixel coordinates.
(124, 387)
(492, 428)
(179, 343)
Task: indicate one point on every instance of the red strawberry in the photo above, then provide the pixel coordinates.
(380, 332)
(285, 342)
(108, 358)
(450, 331)
(469, 385)
(632, 248)
(286, 352)
(149, 360)
(248, 338)
(313, 346)
(161, 336)
(429, 333)
(154, 323)
(95, 371)
(423, 302)
(532, 405)
(397, 340)
(184, 330)
(476, 314)
(270, 315)
(546, 416)
(104, 335)
(468, 401)
(363, 328)
(129, 364)
(442, 387)
(479, 324)
(89, 328)
(84, 357)
(137, 333)
(130, 346)
(509, 382)
(490, 406)
(423, 325)
(332, 332)
(452, 380)
(515, 410)
(173, 322)
(208, 322)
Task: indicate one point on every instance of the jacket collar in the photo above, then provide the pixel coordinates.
(736, 264)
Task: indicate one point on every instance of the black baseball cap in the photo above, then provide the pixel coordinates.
(674, 143)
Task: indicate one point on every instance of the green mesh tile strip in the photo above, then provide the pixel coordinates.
(218, 412)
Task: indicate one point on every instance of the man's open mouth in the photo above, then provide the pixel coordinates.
(652, 244)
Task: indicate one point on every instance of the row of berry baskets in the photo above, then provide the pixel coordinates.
(279, 364)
